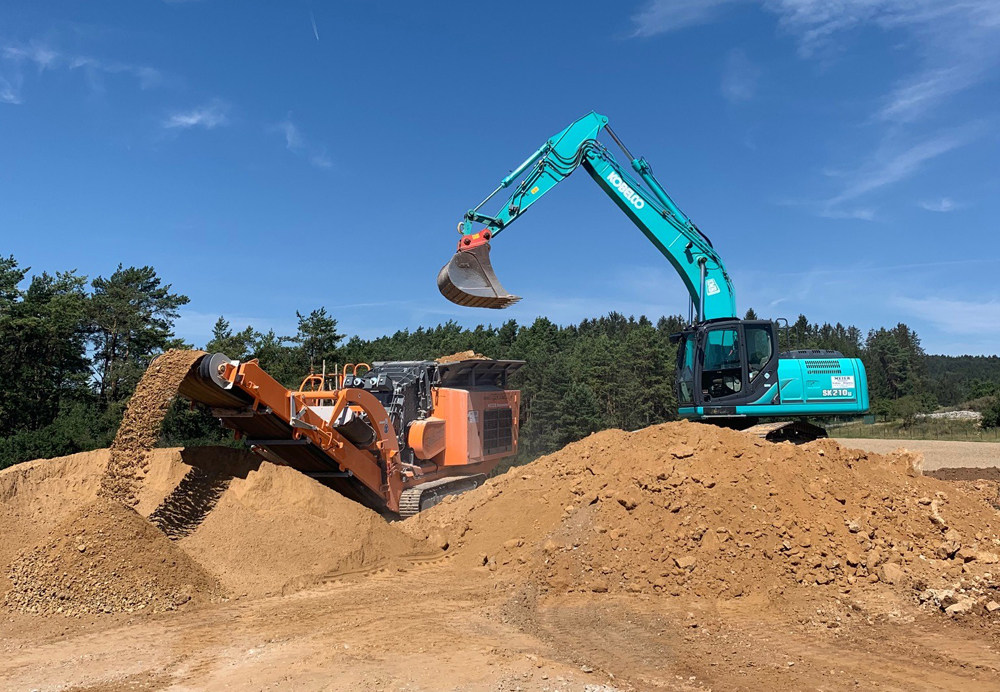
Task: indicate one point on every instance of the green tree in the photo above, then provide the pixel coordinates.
(579, 414)
(895, 363)
(132, 315)
(239, 345)
(43, 334)
(317, 336)
(991, 414)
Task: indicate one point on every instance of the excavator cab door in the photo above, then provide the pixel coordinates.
(727, 363)
(723, 365)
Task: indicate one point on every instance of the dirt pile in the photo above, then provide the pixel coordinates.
(37, 495)
(460, 356)
(271, 528)
(256, 527)
(105, 558)
(140, 427)
(692, 509)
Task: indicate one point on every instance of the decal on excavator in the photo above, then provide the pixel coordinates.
(627, 192)
(837, 392)
(712, 287)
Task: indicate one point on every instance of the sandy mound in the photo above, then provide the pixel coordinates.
(105, 558)
(140, 428)
(692, 509)
(271, 528)
(259, 528)
(37, 495)
(460, 356)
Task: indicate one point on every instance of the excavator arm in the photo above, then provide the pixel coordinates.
(469, 278)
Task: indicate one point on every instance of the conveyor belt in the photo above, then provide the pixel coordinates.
(233, 407)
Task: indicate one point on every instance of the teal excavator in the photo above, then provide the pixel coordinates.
(729, 370)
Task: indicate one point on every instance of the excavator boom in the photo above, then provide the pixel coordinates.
(469, 279)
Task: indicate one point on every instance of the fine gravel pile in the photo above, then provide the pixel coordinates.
(695, 510)
(255, 527)
(140, 428)
(274, 529)
(105, 558)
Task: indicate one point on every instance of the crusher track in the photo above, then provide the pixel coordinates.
(426, 495)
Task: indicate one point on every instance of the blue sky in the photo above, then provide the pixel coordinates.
(273, 157)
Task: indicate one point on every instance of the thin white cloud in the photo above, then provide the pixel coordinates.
(320, 160)
(146, 76)
(293, 139)
(945, 204)
(14, 57)
(957, 44)
(296, 143)
(42, 56)
(890, 165)
(913, 97)
(664, 16)
(10, 90)
(209, 117)
(739, 77)
(861, 214)
(975, 318)
(312, 18)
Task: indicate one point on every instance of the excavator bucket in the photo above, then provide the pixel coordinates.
(468, 279)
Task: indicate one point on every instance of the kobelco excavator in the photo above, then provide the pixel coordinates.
(729, 371)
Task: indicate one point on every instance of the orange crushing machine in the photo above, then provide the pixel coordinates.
(395, 436)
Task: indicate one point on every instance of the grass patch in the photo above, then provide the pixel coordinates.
(921, 429)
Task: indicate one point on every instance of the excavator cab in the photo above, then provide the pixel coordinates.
(722, 364)
(468, 279)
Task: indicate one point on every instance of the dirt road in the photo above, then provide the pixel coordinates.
(939, 454)
(427, 629)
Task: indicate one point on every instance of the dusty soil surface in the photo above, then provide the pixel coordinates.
(680, 557)
(427, 628)
(938, 454)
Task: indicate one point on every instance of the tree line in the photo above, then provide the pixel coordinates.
(73, 349)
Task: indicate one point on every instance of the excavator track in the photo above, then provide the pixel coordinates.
(797, 432)
(426, 495)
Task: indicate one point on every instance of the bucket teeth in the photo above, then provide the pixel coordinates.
(469, 280)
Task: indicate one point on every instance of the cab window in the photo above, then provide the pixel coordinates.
(722, 371)
(685, 371)
(759, 348)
